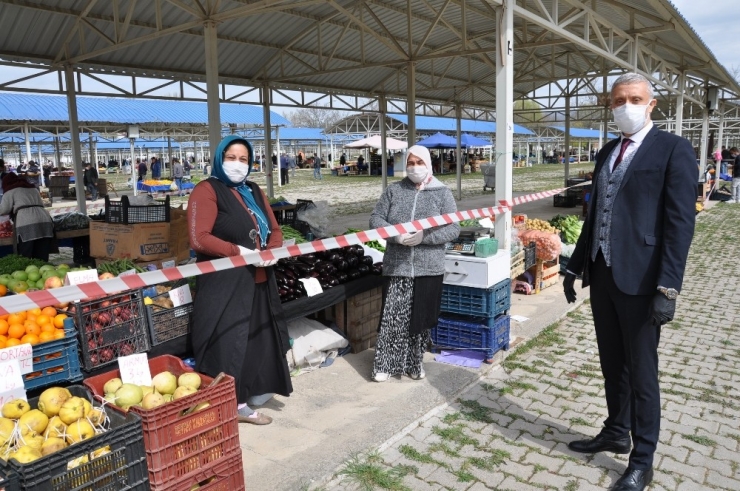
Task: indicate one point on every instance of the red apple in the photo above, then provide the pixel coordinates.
(52, 282)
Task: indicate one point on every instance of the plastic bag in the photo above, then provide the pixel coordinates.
(548, 245)
(317, 216)
(70, 221)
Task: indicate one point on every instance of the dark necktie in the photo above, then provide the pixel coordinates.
(625, 143)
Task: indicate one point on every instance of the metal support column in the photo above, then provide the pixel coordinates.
(56, 151)
(74, 136)
(720, 133)
(604, 137)
(267, 161)
(26, 132)
(214, 108)
(277, 152)
(504, 116)
(169, 152)
(411, 102)
(703, 146)
(679, 105)
(458, 150)
(566, 157)
(383, 149)
(134, 167)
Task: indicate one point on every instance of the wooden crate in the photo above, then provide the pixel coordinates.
(546, 274)
(517, 264)
(359, 318)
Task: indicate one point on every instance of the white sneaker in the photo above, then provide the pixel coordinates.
(421, 375)
(382, 377)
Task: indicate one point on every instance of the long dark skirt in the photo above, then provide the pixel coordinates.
(265, 369)
(397, 350)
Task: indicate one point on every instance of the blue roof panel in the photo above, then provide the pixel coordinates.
(437, 123)
(583, 132)
(40, 108)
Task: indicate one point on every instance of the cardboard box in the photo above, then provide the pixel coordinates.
(180, 239)
(138, 242)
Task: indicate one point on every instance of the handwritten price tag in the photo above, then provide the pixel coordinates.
(312, 286)
(23, 354)
(11, 382)
(181, 296)
(135, 369)
(128, 272)
(80, 277)
(168, 264)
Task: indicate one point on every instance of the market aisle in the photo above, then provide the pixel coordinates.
(510, 430)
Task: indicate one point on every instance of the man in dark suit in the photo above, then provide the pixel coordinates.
(632, 251)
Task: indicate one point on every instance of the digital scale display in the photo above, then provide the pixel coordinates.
(460, 247)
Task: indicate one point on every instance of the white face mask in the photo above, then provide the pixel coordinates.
(235, 171)
(630, 118)
(417, 173)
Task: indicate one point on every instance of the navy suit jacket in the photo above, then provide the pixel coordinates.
(653, 216)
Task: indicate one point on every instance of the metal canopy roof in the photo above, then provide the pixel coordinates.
(436, 123)
(353, 47)
(50, 109)
(583, 132)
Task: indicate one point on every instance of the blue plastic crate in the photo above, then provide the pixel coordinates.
(472, 333)
(478, 302)
(55, 361)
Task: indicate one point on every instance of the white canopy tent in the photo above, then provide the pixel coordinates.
(376, 142)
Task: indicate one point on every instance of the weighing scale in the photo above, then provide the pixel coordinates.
(465, 242)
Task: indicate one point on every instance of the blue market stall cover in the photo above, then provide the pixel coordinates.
(437, 123)
(438, 140)
(473, 141)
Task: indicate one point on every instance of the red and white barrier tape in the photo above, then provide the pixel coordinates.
(43, 298)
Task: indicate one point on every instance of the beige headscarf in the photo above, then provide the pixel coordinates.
(423, 154)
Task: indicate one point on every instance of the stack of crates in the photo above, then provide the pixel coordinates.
(474, 318)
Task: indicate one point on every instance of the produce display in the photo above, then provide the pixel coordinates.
(570, 227)
(469, 223)
(166, 387)
(14, 262)
(35, 326)
(373, 244)
(117, 267)
(60, 420)
(157, 182)
(160, 301)
(291, 233)
(548, 244)
(34, 278)
(279, 199)
(331, 268)
(6, 229)
(541, 225)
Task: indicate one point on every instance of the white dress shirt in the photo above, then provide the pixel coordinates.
(637, 140)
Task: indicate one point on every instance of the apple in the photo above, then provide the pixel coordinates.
(106, 276)
(52, 282)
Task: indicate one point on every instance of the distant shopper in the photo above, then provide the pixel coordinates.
(3, 172)
(34, 227)
(141, 169)
(156, 168)
(316, 167)
(178, 172)
(90, 179)
(415, 264)
(361, 167)
(33, 173)
(238, 322)
(735, 154)
(726, 154)
(284, 167)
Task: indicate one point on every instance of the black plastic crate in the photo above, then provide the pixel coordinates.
(530, 255)
(110, 327)
(127, 214)
(564, 201)
(9, 482)
(165, 325)
(124, 468)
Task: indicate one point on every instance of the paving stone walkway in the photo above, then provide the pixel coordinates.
(510, 431)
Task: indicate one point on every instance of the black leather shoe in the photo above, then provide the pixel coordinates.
(634, 480)
(599, 443)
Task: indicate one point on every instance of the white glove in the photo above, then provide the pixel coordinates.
(412, 239)
(243, 250)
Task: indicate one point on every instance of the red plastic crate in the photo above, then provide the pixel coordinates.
(179, 447)
(225, 475)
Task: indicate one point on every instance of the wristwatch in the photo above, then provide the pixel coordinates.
(670, 293)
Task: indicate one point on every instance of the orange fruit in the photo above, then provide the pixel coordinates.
(33, 328)
(59, 320)
(16, 318)
(4, 326)
(59, 334)
(3, 338)
(12, 342)
(30, 317)
(35, 311)
(43, 319)
(3, 290)
(48, 327)
(3, 344)
(16, 331)
(30, 339)
(4, 317)
(49, 311)
(46, 336)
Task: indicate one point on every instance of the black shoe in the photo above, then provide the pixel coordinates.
(634, 480)
(601, 443)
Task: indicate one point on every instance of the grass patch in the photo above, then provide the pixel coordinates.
(368, 474)
(701, 440)
(475, 411)
(444, 448)
(572, 485)
(488, 387)
(412, 454)
(548, 337)
(579, 422)
(451, 418)
(463, 475)
(454, 434)
(539, 468)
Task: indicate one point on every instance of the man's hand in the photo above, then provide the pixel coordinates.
(662, 310)
(412, 239)
(570, 291)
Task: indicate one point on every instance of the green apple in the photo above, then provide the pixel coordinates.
(4, 279)
(63, 266)
(31, 267)
(11, 284)
(34, 276)
(20, 275)
(40, 284)
(20, 286)
(46, 267)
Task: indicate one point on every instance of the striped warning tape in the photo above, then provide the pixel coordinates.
(43, 298)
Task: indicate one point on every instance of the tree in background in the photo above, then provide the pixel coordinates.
(314, 117)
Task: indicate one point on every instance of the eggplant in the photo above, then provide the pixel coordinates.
(342, 277)
(313, 274)
(289, 273)
(353, 261)
(363, 269)
(309, 259)
(282, 292)
(377, 268)
(358, 250)
(353, 274)
(341, 265)
(303, 270)
(367, 260)
(333, 256)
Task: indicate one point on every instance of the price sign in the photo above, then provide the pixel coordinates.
(181, 296)
(23, 354)
(11, 382)
(80, 277)
(135, 369)
(128, 272)
(289, 242)
(168, 264)
(312, 286)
